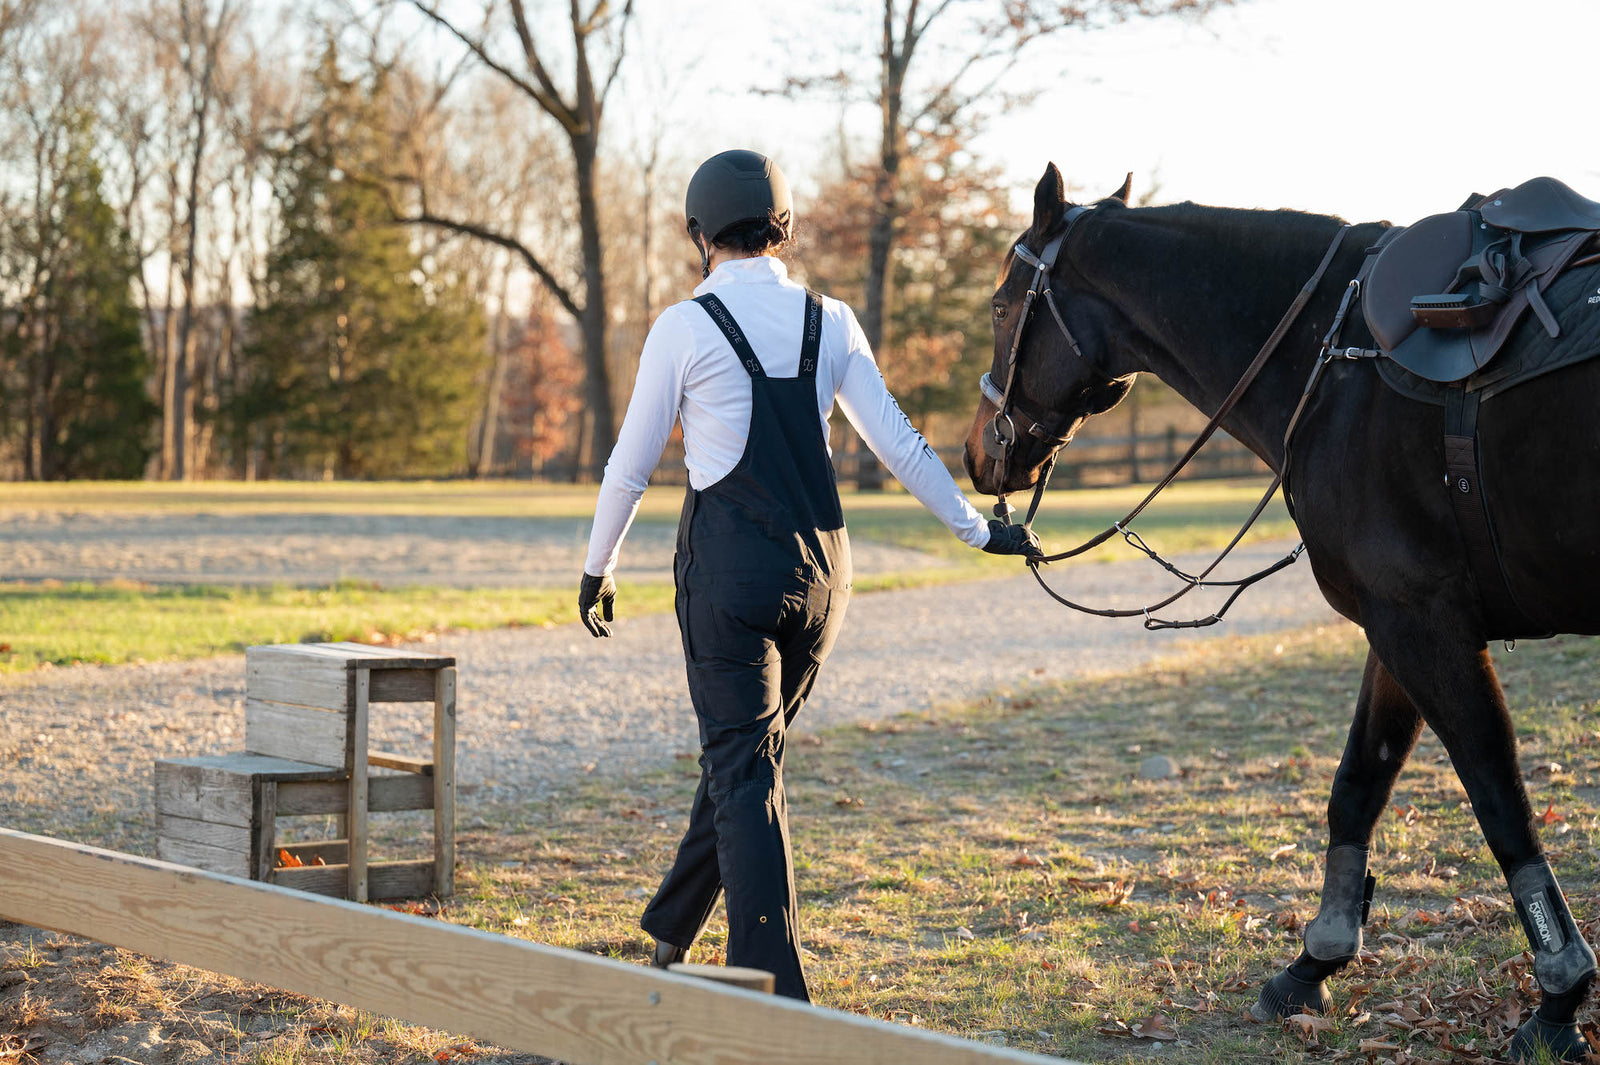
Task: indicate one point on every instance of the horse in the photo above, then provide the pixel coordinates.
(1187, 292)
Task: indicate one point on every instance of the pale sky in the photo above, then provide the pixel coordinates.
(1362, 108)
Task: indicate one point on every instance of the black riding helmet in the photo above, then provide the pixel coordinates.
(734, 186)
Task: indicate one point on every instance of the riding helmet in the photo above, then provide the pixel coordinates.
(734, 186)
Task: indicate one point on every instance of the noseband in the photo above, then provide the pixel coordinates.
(1000, 437)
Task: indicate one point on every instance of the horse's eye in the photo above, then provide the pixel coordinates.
(999, 312)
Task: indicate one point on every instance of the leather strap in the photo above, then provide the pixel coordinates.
(1250, 374)
(730, 329)
(811, 338)
(1463, 480)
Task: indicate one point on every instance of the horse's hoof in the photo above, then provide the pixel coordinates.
(1286, 995)
(1560, 1042)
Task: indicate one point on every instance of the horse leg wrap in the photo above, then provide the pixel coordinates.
(1562, 963)
(1561, 959)
(1334, 935)
(1331, 940)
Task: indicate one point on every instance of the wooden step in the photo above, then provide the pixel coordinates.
(403, 762)
(385, 880)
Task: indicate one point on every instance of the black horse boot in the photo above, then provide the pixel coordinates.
(1563, 964)
(1331, 939)
(667, 955)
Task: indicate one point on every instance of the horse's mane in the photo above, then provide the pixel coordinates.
(1268, 251)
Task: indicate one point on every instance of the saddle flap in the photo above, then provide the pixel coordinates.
(1422, 258)
(1540, 205)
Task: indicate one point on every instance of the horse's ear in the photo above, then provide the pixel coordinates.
(1126, 190)
(1049, 200)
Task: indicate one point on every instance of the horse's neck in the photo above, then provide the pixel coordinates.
(1207, 294)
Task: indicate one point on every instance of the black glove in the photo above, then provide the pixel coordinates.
(595, 597)
(1011, 540)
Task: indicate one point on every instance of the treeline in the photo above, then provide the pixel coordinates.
(242, 239)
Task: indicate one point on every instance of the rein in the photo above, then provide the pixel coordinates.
(1042, 265)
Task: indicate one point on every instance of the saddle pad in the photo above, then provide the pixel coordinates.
(1529, 351)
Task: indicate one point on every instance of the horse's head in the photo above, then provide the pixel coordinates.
(1050, 334)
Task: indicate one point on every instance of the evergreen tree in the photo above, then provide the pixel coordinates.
(77, 405)
(363, 361)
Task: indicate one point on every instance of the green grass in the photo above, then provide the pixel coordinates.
(1002, 868)
(116, 622)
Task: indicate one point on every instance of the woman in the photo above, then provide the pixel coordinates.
(752, 367)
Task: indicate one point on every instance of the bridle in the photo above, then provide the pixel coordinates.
(998, 444)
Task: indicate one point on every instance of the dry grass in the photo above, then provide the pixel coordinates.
(1001, 870)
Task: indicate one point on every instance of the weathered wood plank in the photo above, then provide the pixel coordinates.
(356, 815)
(300, 733)
(200, 856)
(384, 795)
(524, 996)
(406, 763)
(259, 765)
(264, 827)
(385, 880)
(324, 684)
(348, 655)
(235, 838)
(367, 656)
(402, 685)
(732, 975)
(190, 788)
(444, 782)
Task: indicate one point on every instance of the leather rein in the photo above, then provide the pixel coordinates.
(1001, 436)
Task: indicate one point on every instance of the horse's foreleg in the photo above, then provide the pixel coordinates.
(1461, 700)
(1381, 738)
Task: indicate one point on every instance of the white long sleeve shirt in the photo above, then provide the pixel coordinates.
(689, 371)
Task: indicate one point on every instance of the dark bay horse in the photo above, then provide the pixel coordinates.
(1189, 293)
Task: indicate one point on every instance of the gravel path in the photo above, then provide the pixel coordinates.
(182, 548)
(540, 707)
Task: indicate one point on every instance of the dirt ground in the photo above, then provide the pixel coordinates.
(76, 744)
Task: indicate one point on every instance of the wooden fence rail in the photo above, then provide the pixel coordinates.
(525, 996)
(1091, 462)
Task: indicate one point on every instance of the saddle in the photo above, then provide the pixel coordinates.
(1441, 296)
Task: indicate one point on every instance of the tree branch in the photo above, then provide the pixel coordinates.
(509, 243)
(544, 95)
(622, 50)
(566, 115)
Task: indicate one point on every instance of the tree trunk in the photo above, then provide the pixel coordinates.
(597, 375)
(885, 209)
(499, 345)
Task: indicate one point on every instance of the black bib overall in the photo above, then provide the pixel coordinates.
(763, 578)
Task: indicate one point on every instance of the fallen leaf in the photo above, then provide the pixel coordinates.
(1410, 815)
(288, 861)
(1157, 1026)
(1376, 1046)
(1121, 892)
(1114, 1027)
(1283, 851)
(1550, 817)
(456, 1050)
(1308, 1026)
(1025, 860)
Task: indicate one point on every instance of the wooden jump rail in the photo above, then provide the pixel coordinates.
(525, 996)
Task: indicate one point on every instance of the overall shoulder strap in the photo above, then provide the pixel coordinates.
(811, 339)
(731, 330)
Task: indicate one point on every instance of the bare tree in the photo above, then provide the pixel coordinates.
(202, 36)
(578, 111)
(936, 65)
